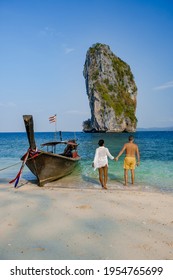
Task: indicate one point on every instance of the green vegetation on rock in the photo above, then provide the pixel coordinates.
(111, 79)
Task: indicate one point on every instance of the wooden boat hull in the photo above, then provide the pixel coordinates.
(48, 167)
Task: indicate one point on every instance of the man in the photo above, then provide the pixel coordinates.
(130, 163)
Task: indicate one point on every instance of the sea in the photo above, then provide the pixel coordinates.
(154, 173)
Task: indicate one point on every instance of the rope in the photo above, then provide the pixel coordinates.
(10, 166)
(19, 162)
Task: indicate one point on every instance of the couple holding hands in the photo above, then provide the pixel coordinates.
(101, 160)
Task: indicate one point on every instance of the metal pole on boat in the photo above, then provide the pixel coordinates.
(60, 135)
(55, 128)
(75, 135)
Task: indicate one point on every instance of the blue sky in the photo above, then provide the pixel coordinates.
(43, 49)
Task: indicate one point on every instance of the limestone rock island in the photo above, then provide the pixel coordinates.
(111, 91)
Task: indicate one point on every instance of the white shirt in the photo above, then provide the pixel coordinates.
(101, 157)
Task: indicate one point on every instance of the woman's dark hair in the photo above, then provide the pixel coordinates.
(101, 142)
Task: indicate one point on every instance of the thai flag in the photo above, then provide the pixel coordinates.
(52, 119)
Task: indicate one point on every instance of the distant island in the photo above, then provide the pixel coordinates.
(156, 129)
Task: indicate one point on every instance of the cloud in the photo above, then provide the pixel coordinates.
(75, 112)
(66, 49)
(165, 86)
(7, 105)
(49, 31)
(69, 50)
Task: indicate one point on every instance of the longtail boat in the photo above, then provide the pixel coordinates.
(48, 165)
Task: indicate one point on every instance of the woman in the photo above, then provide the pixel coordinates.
(101, 162)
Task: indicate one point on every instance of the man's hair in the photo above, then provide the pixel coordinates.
(131, 138)
(101, 142)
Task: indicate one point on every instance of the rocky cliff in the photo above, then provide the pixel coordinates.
(111, 91)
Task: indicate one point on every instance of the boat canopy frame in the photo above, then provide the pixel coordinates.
(53, 145)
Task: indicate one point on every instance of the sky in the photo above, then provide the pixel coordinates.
(43, 46)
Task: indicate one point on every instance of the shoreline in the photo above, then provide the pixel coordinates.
(43, 223)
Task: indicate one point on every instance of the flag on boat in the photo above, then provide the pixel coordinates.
(52, 119)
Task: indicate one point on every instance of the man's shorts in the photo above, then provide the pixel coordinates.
(129, 163)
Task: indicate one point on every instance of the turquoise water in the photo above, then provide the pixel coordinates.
(155, 170)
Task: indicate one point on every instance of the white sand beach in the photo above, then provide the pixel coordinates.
(87, 224)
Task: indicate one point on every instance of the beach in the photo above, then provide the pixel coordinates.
(59, 223)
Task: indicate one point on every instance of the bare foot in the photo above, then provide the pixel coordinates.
(105, 187)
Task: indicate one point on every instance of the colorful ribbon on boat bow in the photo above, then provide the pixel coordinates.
(16, 179)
